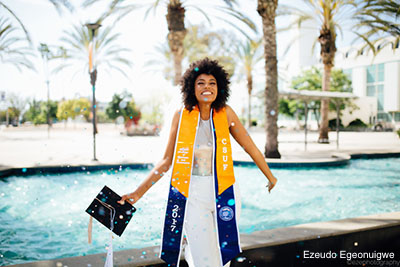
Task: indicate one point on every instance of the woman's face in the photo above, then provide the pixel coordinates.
(205, 88)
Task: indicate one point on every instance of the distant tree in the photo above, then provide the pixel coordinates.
(176, 12)
(198, 43)
(72, 108)
(123, 105)
(328, 17)
(16, 108)
(33, 112)
(82, 106)
(65, 110)
(311, 79)
(37, 112)
(109, 55)
(249, 55)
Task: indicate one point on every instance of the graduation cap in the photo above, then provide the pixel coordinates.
(109, 212)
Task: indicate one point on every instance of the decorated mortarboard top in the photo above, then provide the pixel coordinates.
(109, 212)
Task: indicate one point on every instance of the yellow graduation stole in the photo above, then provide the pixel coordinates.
(228, 236)
(184, 151)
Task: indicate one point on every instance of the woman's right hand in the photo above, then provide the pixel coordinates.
(131, 198)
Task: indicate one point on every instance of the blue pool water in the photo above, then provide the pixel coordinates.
(43, 216)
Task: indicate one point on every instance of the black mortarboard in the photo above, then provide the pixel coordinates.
(111, 214)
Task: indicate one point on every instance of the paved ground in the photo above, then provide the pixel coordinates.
(29, 146)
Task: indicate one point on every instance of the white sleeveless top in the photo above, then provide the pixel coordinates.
(203, 149)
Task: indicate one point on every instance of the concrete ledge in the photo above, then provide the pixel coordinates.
(5, 172)
(370, 232)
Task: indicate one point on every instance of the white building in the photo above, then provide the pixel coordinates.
(375, 79)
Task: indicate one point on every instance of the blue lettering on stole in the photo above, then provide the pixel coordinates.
(173, 226)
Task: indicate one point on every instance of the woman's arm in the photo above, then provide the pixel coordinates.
(161, 167)
(243, 138)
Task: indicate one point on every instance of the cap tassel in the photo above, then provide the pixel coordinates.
(90, 230)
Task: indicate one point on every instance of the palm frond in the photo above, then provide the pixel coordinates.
(28, 37)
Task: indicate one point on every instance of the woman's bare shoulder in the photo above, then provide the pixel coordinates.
(230, 113)
(176, 116)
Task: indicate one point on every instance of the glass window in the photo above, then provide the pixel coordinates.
(380, 97)
(371, 90)
(371, 74)
(382, 116)
(381, 72)
(397, 116)
(375, 83)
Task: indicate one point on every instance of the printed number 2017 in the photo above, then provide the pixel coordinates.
(174, 215)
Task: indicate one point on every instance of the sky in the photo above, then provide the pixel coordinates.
(141, 35)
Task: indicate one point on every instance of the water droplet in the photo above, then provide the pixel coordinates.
(240, 259)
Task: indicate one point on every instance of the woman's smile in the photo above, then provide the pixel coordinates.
(206, 88)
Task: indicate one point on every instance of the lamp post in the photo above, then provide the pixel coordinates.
(93, 76)
(44, 50)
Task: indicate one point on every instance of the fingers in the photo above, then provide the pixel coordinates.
(128, 198)
(271, 185)
(123, 199)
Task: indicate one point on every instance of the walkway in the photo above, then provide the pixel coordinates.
(29, 146)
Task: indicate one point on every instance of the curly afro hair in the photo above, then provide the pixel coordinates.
(205, 66)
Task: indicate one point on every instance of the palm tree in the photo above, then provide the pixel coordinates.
(267, 10)
(109, 56)
(327, 15)
(13, 49)
(200, 43)
(376, 21)
(248, 55)
(176, 22)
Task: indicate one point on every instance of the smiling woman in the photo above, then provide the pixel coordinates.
(204, 201)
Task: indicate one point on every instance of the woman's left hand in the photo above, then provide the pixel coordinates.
(272, 182)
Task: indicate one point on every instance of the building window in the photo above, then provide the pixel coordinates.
(376, 83)
(397, 116)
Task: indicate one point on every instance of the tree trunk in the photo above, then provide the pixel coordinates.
(328, 49)
(177, 32)
(267, 10)
(324, 127)
(249, 89)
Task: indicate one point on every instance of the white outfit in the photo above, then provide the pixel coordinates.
(200, 224)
